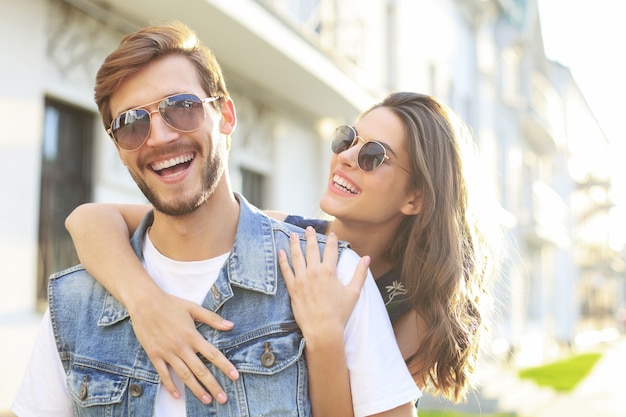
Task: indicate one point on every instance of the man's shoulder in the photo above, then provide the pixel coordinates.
(260, 220)
(288, 228)
(77, 269)
(74, 280)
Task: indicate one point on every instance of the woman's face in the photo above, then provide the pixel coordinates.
(382, 196)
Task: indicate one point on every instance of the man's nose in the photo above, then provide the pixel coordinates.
(160, 131)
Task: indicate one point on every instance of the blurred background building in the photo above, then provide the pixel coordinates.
(297, 69)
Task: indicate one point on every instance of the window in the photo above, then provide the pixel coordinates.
(253, 187)
(66, 181)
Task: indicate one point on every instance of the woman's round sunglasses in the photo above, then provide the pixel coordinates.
(371, 155)
(183, 112)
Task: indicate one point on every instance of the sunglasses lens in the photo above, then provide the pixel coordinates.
(342, 139)
(131, 128)
(371, 156)
(184, 112)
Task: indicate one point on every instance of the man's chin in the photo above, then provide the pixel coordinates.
(175, 208)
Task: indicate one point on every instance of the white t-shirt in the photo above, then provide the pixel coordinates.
(378, 376)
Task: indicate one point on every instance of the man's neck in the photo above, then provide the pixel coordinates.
(206, 233)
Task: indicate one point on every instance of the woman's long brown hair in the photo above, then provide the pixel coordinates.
(445, 262)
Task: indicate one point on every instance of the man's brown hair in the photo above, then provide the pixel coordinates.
(151, 43)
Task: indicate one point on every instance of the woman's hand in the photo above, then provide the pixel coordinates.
(318, 298)
(165, 326)
(322, 304)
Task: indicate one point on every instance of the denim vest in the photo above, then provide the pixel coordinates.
(109, 374)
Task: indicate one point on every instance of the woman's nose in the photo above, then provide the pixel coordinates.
(349, 156)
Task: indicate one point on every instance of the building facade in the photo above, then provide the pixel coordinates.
(297, 69)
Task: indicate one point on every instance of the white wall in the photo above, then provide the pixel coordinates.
(22, 51)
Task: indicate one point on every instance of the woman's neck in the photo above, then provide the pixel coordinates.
(365, 240)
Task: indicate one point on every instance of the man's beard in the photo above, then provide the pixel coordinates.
(212, 173)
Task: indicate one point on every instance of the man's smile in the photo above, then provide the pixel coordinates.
(173, 165)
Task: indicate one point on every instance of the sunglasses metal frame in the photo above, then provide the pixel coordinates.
(157, 110)
(357, 138)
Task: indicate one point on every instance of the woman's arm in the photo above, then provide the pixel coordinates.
(407, 330)
(163, 324)
(277, 215)
(101, 237)
(322, 305)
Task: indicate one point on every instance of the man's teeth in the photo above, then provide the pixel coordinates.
(158, 166)
(344, 185)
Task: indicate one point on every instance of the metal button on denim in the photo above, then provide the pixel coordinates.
(82, 392)
(267, 358)
(216, 294)
(135, 390)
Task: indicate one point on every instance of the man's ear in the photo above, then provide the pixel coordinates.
(228, 119)
(413, 205)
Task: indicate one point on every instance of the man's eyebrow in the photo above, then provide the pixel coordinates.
(143, 106)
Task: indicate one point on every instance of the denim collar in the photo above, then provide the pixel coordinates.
(252, 263)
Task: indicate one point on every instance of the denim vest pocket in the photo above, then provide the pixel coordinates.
(268, 350)
(90, 386)
(273, 373)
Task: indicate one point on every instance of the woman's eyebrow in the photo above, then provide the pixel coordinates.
(385, 145)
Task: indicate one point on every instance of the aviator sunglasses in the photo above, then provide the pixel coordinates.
(183, 112)
(371, 155)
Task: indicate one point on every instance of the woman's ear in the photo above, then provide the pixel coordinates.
(413, 205)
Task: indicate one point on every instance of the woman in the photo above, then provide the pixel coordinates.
(398, 193)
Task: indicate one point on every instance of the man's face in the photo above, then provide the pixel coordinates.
(176, 171)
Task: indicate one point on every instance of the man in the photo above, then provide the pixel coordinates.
(164, 102)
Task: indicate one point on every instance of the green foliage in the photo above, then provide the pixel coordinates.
(564, 375)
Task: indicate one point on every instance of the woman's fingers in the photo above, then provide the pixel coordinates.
(318, 297)
(312, 251)
(331, 251)
(171, 341)
(297, 257)
(210, 352)
(285, 268)
(196, 376)
(216, 357)
(310, 266)
(210, 318)
(166, 378)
